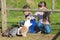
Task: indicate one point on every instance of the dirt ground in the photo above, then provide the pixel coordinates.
(30, 37)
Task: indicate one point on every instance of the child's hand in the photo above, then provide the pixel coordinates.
(32, 17)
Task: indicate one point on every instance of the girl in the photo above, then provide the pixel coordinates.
(43, 18)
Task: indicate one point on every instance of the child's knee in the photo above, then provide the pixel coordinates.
(39, 24)
(47, 29)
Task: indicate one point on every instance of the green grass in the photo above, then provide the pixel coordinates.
(15, 16)
(16, 3)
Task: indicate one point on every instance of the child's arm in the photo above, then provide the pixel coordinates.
(49, 19)
(46, 16)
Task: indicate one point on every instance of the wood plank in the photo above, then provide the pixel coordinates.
(19, 9)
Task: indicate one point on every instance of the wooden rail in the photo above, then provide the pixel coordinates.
(18, 9)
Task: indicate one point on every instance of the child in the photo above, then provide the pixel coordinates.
(43, 18)
(26, 12)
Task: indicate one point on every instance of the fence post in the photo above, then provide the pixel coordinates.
(52, 4)
(3, 11)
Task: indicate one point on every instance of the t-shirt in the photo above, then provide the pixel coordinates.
(40, 16)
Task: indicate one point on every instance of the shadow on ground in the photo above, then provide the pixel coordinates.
(56, 36)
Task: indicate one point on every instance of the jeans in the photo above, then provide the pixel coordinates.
(45, 28)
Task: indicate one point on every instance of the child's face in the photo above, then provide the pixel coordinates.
(26, 12)
(42, 4)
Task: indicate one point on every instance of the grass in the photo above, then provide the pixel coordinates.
(15, 16)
